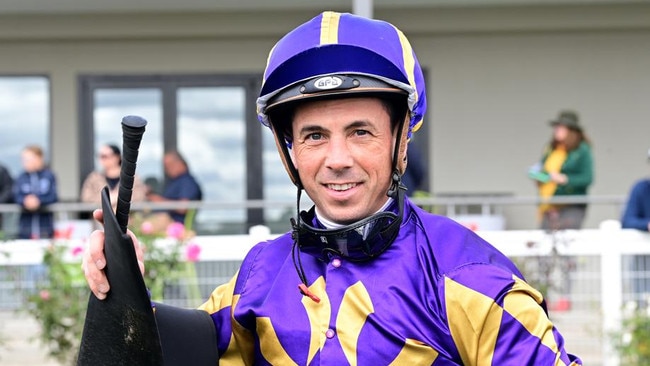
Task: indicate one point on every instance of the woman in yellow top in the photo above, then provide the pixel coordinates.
(566, 170)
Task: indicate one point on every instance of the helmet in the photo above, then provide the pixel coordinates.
(336, 55)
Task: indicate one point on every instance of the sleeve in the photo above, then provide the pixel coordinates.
(90, 192)
(6, 185)
(139, 190)
(191, 190)
(50, 196)
(236, 343)
(495, 317)
(19, 195)
(581, 172)
(220, 306)
(632, 216)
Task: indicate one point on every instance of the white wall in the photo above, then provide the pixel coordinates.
(493, 95)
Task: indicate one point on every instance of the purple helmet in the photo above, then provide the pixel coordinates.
(335, 54)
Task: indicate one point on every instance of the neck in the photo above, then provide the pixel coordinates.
(113, 172)
(333, 224)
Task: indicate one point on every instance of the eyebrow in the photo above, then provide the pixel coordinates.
(318, 128)
(309, 129)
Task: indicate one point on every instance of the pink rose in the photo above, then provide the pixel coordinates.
(65, 233)
(77, 250)
(45, 295)
(192, 252)
(176, 230)
(146, 228)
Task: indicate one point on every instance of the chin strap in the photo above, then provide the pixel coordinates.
(295, 254)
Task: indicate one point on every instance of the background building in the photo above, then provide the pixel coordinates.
(497, 72)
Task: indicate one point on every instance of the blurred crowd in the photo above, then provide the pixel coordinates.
(35, 188)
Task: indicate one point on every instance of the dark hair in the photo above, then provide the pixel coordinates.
(574, 139)
(116, 151)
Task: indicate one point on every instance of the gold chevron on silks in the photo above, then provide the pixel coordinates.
(415, 353)
(353, 313)
(319, 315)
(355, 308)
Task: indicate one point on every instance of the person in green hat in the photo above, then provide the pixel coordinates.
(567, 170)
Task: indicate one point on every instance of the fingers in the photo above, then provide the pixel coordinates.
(98, 215)
(139, 251)
(94, 263)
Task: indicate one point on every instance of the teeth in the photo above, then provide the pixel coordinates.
(341, 187)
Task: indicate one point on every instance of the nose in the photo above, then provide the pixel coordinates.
(339, 156)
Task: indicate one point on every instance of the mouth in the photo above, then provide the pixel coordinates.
(341, 187)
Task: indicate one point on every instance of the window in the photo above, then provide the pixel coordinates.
(24, 117)
(209, 119)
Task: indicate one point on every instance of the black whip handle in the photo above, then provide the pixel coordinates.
(132, 131)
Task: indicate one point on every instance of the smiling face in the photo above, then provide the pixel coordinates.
(342, 150)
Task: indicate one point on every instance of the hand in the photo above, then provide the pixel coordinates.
(31, 202)
(154, 197)
(559, 178)
(94, 260)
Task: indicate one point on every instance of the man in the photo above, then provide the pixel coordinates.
(180, 185)
(364, 277)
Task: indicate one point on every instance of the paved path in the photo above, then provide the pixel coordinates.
(16, 349)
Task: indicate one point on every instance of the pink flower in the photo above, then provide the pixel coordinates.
(146, 228)
(77, 250)
(45, 295)
(65, 233)
(192, 252)
(176, 230)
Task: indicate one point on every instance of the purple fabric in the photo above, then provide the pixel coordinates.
(405, 285)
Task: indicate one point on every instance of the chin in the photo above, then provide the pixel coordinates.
(345, 217)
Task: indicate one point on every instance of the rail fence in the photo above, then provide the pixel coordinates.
(588, 276)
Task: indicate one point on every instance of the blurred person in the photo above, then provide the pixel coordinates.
(35, 188)
(364, 276)
(180, 185)
(110, 160)
(565, 169)
(636, 215)
(6, 189)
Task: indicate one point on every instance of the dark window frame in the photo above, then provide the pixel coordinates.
(169, 84)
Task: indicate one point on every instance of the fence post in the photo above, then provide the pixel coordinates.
(611, 292)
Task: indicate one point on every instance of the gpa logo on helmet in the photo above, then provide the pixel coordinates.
(328, 82)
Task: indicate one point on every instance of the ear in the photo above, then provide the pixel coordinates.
(403, 146)
(286, 155)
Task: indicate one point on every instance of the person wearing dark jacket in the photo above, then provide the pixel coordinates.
(34, 189)
(636, 215)
(6, 187)
(637, 210)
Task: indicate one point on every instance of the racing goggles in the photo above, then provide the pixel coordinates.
(361, 241)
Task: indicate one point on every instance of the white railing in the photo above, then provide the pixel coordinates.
(587, 275)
